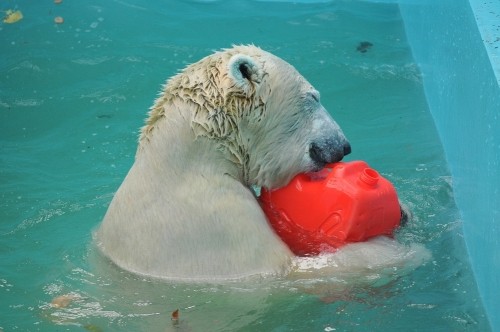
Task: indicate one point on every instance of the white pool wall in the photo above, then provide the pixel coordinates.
(456, 44)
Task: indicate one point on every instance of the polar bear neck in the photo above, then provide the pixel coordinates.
(178, 145)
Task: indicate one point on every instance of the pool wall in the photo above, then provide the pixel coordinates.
(461, 82)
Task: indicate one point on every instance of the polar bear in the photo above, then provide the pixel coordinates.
(238, 118)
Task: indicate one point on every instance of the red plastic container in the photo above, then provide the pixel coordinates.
(343, 203)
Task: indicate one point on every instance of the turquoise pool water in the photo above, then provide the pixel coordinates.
(72, 98)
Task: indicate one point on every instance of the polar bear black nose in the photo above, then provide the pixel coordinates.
(347, 148)
(327, 153)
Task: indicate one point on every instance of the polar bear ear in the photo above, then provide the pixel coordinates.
(244, 71)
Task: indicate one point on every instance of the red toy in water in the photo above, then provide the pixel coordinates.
(343, 203)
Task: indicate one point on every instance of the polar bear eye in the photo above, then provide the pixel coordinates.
(314, 95)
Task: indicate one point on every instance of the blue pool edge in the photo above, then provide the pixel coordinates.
(455, 45)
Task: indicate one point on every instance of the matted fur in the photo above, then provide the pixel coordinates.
(217, 100)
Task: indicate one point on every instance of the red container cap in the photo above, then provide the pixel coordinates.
(343, 203)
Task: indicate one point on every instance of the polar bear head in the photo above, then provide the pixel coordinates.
(259, 110)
